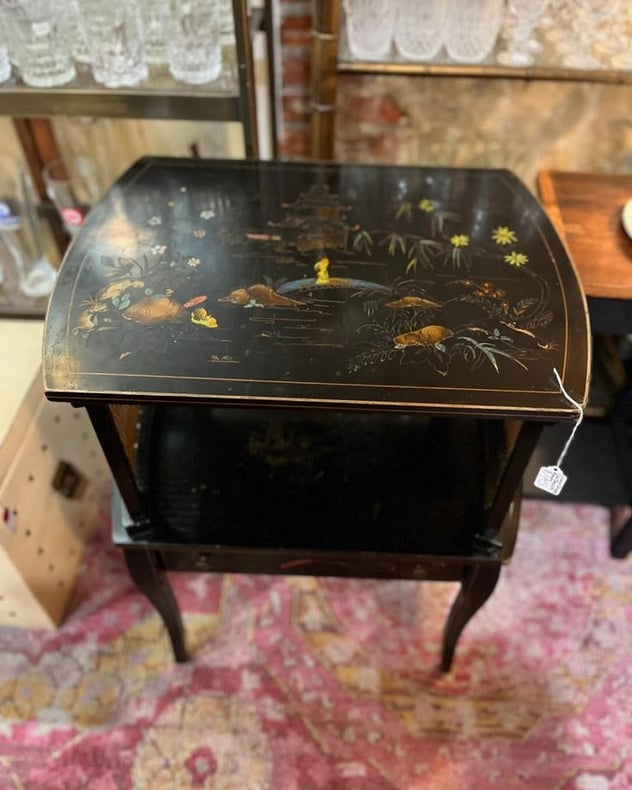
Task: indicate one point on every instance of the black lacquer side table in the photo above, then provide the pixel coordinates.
(317, 369)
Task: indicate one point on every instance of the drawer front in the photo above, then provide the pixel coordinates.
(320, 564)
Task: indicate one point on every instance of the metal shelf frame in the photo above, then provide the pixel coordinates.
(27, 102)
(491, 71)
(168, 102)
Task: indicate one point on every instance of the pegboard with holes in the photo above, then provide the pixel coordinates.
(53, 484)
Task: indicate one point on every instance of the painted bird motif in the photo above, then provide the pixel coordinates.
(259, 295)
(431, 335)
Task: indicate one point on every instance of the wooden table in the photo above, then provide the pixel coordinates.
(586, 210)
(317, 369)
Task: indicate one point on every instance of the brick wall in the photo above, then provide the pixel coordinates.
(376, 113)
(296, 24)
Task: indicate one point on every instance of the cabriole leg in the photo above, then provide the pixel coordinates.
(477, 584)
(147, 572)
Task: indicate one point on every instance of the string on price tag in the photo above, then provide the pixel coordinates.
(551, 478)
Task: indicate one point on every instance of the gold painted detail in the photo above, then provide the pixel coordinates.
(321, 268)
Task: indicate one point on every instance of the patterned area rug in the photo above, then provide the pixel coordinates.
(302, 683)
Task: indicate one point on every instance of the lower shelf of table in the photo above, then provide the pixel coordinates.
(357, 564)
(273, 490)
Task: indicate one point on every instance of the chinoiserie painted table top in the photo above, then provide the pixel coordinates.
(428, 289)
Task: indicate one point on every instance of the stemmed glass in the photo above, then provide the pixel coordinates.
(613, 43)
(520, 23)
(577, 30)
(19, 237)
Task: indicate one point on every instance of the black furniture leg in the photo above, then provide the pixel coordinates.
(621, 531)
(477, 584)
(512, 476)
(621, 528)
(150, 578)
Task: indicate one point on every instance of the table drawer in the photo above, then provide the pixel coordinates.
(360, 565)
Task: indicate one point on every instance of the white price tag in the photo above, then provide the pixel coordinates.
(550, 479)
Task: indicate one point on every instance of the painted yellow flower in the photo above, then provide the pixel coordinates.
(503, 235)
(516, 259)
(426, 205)
(460, 240)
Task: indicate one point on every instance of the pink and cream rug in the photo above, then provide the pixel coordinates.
(301, 683)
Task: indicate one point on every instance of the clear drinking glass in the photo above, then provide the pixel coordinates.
(226, 22)
(114, 34)
(154, 32)
(581, 36)
(613, 39)
(192, 32)
(5, 63)
(5, 56)
(36, 30)
(75, 38)
(72, 189)
(19, 238)
(520, 46)
(7, 41)
(370, 25)
(419, 28)
(471, 28)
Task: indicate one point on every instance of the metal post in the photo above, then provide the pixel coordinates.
(246, 74)
(326, 16)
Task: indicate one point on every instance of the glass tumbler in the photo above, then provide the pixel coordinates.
(226, 22)
(38, 42)
(5, 64)
(153, 30)
(5, 57)
(419, 28)
(370, 25)
(75, 39)
(192, 33)
(113, 32)
(471, 28)
(19, 238)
